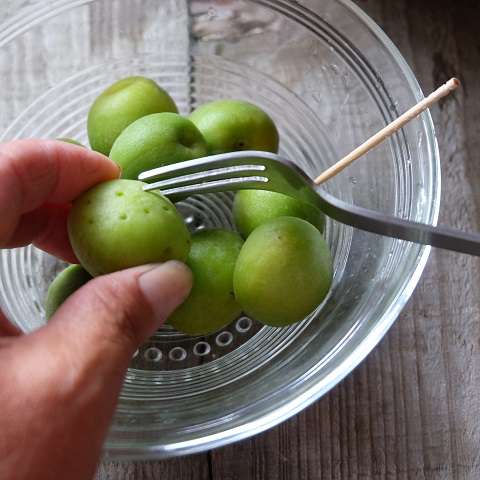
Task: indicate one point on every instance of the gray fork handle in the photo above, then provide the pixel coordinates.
(376, 222)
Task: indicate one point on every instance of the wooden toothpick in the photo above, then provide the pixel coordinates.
(389, 130)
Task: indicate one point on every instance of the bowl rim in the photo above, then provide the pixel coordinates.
(350, 359)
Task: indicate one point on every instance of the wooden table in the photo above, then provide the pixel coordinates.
(411, 410)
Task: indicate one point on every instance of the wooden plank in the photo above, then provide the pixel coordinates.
(188, 468)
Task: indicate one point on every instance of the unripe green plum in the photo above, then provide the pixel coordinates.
(232, 125)
(253, 208)
(211, 304)
(117, 225)
(120, 105)
(65, 284)
(157, 140)
(283, 272)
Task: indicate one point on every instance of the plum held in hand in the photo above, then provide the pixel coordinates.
(117, 225)
(232, 125)
(157, 140)
(120, 105)
(283, 272)
(253, 208)
(211, 304)
(65, 284)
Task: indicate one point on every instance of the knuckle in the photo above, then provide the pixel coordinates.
(120, 302)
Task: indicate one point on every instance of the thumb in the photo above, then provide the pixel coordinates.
(118, 312)
(76, 364)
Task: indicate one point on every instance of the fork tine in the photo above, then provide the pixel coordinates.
(226, 184)
(226, 173)
(232, 171)
(207, 163)
(230, 184)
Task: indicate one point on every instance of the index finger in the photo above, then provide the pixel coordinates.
(36, 172)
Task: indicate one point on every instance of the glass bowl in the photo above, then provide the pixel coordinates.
(330, 78)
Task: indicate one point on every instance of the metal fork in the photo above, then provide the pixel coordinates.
(267, 171)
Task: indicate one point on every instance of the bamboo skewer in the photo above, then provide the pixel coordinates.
(389, 130)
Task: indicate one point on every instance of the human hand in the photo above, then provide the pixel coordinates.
(59, 385)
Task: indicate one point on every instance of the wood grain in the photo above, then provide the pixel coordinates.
(188, 468)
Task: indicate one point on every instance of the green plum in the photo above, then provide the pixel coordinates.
(70, 140)
(117, 225)
(252, 208)
(157, 140)
(65, 284)
(211, 304)
(231, 125)
(283, 272)
(120, 105)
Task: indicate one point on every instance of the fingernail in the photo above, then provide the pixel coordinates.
(165, 287)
